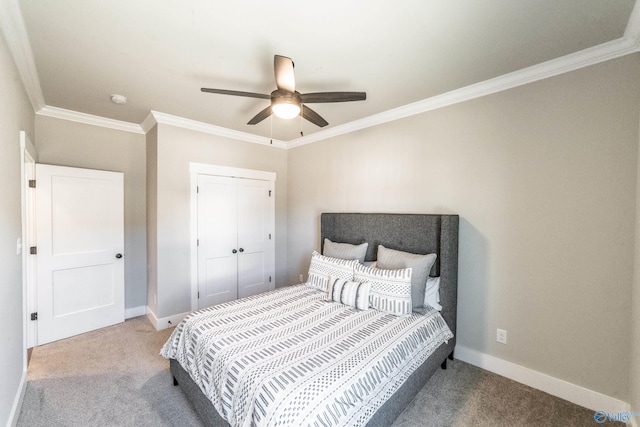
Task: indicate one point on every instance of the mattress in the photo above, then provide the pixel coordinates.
(288, 357)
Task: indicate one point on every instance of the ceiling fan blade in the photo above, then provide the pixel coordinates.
(236, 93)
(312, 116)
(283, 70)
(260, 116)
(333, 97)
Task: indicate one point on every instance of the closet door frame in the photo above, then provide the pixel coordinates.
(196, 169)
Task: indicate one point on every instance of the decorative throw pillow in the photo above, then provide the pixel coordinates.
(420, 267)
(323, 266)
(390, 289)
(355, 294)
(345, 250)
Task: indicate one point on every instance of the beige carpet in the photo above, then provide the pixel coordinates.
(115, 377)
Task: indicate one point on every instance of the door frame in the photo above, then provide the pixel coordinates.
(28, 157)
(196, 169)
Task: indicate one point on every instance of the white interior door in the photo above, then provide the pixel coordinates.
(253, 237)
(80, 235)
(217, 240)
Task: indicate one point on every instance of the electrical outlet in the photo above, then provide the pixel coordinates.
(301, 278)
(501, 336)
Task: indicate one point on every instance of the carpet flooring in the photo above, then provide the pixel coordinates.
(115, 377)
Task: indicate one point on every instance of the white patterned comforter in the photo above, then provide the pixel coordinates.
(289, 358)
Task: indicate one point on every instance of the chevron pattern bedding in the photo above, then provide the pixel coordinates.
(290, 358)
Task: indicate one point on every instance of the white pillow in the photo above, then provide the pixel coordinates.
(390, 289)
(432, 293)
(345, 250)
(323, 266)
(355, 294)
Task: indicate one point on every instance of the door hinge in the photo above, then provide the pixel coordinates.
(32, 183)
(34, 316)
(197, 189)
(269, 193)
(269, 279)
(198, 294)
(269, 236)
(198, 242)
(33, 250)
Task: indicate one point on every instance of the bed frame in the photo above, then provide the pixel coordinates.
(415, 233)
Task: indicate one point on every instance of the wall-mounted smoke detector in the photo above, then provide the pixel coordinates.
(118, 99)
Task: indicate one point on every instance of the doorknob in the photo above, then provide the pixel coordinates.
(118, 256)
(241, 250)
(234, 251)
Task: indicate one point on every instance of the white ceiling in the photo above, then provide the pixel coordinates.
(159, 53)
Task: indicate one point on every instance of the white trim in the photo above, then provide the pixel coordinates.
(193, 213)
(554, 67)
(556, 387)
(15, 34)
(132, 312)
(27, 155)
(185, 123)
(17, 401)
(165, 322)
(90, 119)
(632, 31)
(148, 123)
(207, 169)
(17, 39)
(26, 148)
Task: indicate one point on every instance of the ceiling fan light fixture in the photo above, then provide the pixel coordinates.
(285, 108)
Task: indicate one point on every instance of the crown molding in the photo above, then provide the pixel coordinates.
(15, 34)
(629, 43)
(89, 119)
(632, 31)
(168, 119)
(13, 28)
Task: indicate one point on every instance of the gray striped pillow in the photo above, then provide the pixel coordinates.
(323, 266)
(420, 265)
(390, 289)
(345, 250)
(354, 294)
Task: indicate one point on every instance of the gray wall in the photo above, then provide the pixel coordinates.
(152, 218)
(65, 143)
(176, 148)
(544, 180)
(634, 371)
(16, 114)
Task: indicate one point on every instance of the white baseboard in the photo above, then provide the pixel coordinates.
(132, 312)
(17, 402)
(165, 322)
(556, 387)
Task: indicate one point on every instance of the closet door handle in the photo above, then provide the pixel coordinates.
(234, 251)
(241, 250)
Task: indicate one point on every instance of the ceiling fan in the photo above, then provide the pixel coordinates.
(286, 101)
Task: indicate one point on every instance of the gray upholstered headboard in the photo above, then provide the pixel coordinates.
(415, 233)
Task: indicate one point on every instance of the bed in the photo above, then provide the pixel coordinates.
(269, 393)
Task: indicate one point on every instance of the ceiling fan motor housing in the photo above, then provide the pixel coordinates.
(286, 97)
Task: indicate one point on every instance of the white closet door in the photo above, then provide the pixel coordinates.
(253, 237)
(80, 242)
(217, 236)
